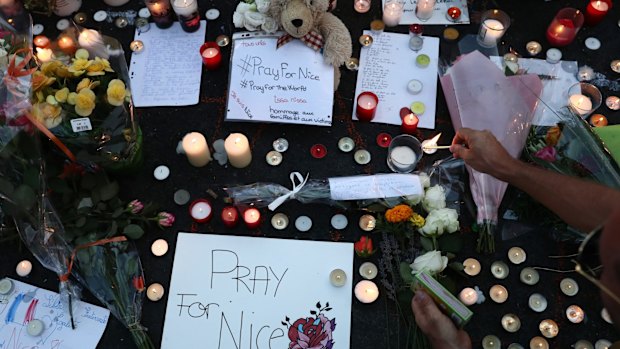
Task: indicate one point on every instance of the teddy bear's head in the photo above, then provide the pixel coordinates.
(298, 17)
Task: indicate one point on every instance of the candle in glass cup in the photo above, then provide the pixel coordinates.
(41, 41)
(564, 27)
(251, 217)
(361, 6)
(410, 124)
(238, 150)
(580, 104)
(493, 30)
(201, 210)
(211, 55)
(392, 12)
(366, 106)
(67, 45)
(403, 157)
(196, 148)
(230, 216)
(161, 12)
(187, 11)
(596, 11)
(424, 9)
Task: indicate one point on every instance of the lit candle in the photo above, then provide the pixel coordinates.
(367, 222)
(491, 31)
(368, 270)
(251, 217)
(392, 12)
(366, 106)
(201, 211)
(529, 276)
(549, 328)
(580, 104)
(598, 120)
(211, 56)
(361, 6)
(511, 323)
(196, 148)
(338, 277)
(90, 38)
(410, 124)
(615, 65)
(539, 343)
(44, 54)
(491, 342)
(279, 221)
(453, 14)
(159, 247)
(23, 268)
(613, 102)
(569, 286)
(499, 269)
(596, 11)
(429, 144)
(602, 344)
(161, 12)
(365, 40)
(424, 9)
(533, 48)
(564, 27)
(346, 144)
(583, 344)
(238, 150)
(403, 158)
(67, 45)
(516, 255)
(155, 292)
(515, 346)
(468, 296)
(575, 314)
(471, 266)
(187, 12)
(537, 302)
(230, 216)
(366, 291)
(498, 293)
(41, 41)
(377, 26)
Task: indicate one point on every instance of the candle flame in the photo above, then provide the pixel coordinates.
(433, 141)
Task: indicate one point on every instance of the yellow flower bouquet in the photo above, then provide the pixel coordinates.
(81, 95)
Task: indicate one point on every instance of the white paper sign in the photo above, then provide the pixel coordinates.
(27, 302)
(292, 84)
(387, 66)
(81, 125)
(439, 12)
(377, 186)
(232, 292)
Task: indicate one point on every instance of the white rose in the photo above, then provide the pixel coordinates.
(270, 25)
(262, 5)
(434, 198)
(413, 200)
(443, 220)
(432, 262)
(238, 19)
(253, 20)
(244, 7)
(424, 179)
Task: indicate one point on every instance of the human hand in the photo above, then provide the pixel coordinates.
(438, 327)
(483, 152)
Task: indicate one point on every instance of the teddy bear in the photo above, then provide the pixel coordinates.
(312, 22)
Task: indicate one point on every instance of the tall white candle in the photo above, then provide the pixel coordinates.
(491, 31)
(185, 7)
(581, 104)
(424, 9)
(238, 150)
(392, 12)
(196, 149)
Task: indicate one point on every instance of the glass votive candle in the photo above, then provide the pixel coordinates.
(211, 55)
(251, 217)
(161, 13)
(596, 11)
(564, 27)
(410, 124)
(366, 106)
(230, 216)
(493, 25)
(583, 99)
(424, 9)
(187, 12)
(404, 153)
(201, 210)
(361, 6)
(392, 12)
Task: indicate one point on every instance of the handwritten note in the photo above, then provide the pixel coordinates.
(27, 302)
(377, 186)
(291, 84)
(439, 12)
(246, 293)
(387, 66)
(168, 71)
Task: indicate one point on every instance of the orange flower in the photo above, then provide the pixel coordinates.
(138, 283)
(553, 135)
(398, 214)
(363, 247)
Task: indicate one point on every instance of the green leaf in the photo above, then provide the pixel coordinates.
(132, 266)
(24, 196)
(458, 266)
(102, 206)
(88, 181)
(113, 229)
(118, 212)
(405, 273)
(451, 243)
(116, 203)
(133, 231)
(377, 208)
(109, 191)
(427, 243)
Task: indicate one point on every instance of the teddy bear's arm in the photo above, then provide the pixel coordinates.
(338, 47)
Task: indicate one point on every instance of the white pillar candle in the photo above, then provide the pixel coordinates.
(468, 296)
(392, 12)
(403, 157)
(23, 268)
(366, 291)
(184, 7)
(44, 54)
(491, 31)
(238, 150)
(155, 292)
(196, 149)
(580, 104)
(424, 9)
(471, 266)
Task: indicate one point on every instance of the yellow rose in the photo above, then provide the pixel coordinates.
(40, 81)
(96, 68)
(79, 66)
(106, 64)
(47, 114)
(61, 95)
(71, 98)
(85, 102)
(81, 54)
(86, 83)
(116, 92)
(51, 100)
(49, 68)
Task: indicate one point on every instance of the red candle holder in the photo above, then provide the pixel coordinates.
(318, 151)
(201, 210)
(211, 55)
(416, 29)
(384, 140)
(410, 124)
(564, 27)
(41, 41)
(453, 14)
(366, 106)
(230, 216)
(596, 11)
(251, 217)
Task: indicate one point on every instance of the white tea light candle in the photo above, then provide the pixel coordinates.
(155, 292)
(339, 221)
(580, 104)
(366, 291)
(499, 269)
(367, 222)
(516, 255)
(35, 327)
(498, 293)
(159, 247)
(539, 343)
(471, 267)
(368, 270)
(529, 276)
(575, 314)
(279, 221)
(468, 296)
(338, 277)
(569, 287)
(511, 323)
(549, 328)
(491, 342)
(537, 302)
(23, 268)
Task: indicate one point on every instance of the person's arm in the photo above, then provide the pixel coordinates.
(582, 204)
(439, 329)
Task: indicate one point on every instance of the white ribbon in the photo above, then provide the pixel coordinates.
(290, 195)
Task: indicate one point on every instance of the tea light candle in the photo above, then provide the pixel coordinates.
(318, 151)
(196, 148)
(251, 217)
(279, 221)
(35, 327)
(155, 292)
(346, 144)
(491, 342)
(238, 150)
(201, 211)
(580, 104)
(583, 344)
(136, 46)
(575, 314)
(67, 45)
(352, 64)
(471, 266)
(368, 270)
(339, 221)
(161, 172)
(159, 247)
(280, 145)
(468, 296)
(537, 302)
(362, 157)
(539, 343)
(365, 40)
(361, 6)
(418, 107)
(338, 277)
(366, 291)
(410, 125)
(6, 286)
(424, 9)
(384, 140)
(414, 86)
(23, 268)
(569, 287)
(303, 223)
(598, 120)
(377, 26)
(367, 222)
(548, 328)
(596, 11)
(230, 216)
(605, 316)
(403, 157)
(41, 41)
(44, 54)
(498, 293)
(553, 55)
(515, 346)
(602, 344)
(274, 158)
(516, 255)
(211, 55)
(90, 38)
(511, 323)
(529, 276)
(613, 102)
(533, 48)
(80, 18)
(615, 65)
(392, 12)
(366, 106)
(499, 269)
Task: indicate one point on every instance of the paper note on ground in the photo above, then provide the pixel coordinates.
(27, 302)
(292, 84)
(387, 66)
(168, 71)
(373, 187)
(247, 293)
(439, 12)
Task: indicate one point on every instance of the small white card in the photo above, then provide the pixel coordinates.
(439, 12)
(81, 125)
(375, 187)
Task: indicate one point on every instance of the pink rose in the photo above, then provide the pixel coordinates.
(547, 153)
(135, 206)
(312, 333)
(165, 219)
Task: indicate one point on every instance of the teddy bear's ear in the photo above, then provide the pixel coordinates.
(332, 5)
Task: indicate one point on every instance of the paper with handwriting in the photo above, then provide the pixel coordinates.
(439, 12)
(376, 186)
(291, 84)
(249, 292)
(387, 66)
(27, 302)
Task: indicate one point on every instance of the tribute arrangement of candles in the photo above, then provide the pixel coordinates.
(211, 55)
(366, 106)
(161, 12)
(564, 27)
